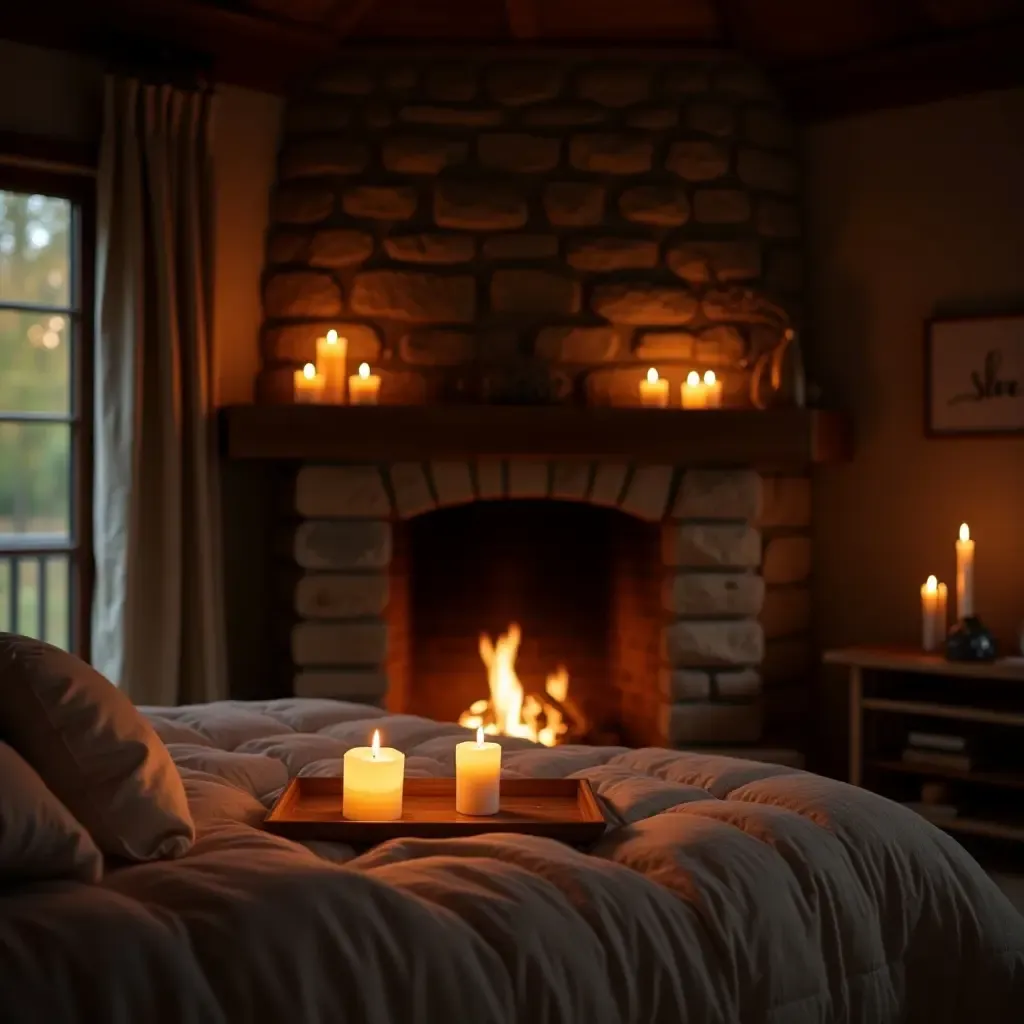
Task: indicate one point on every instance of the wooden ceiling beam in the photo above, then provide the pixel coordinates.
(523, 19)
(906, 75)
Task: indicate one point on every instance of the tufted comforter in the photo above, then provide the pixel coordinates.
(723, 891)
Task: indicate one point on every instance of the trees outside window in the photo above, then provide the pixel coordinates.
(45, 283)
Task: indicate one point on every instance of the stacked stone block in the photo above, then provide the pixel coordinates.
(560, 220)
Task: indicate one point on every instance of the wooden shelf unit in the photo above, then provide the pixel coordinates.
(890, 682)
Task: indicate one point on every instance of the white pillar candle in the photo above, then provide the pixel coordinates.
(308, 386)
(694, 393)
(933, 614)
(477, 776)
(964, 573)
(372, 782)
(331, 354)
(363, 387)
(712, 390)
(654, 391)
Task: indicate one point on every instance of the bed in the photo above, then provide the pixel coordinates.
(722, 891)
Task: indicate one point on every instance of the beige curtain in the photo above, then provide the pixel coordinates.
(158, 619)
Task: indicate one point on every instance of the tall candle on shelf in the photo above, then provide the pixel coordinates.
(654, 391)
(331, 354)
(372, 782)
(307, 386)
(712, 390)
(964, 573)
(364, 387)
(477, 776)
(694, 393)
(933, 614)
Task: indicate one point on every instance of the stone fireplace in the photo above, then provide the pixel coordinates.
(654, 585)
(502, 233)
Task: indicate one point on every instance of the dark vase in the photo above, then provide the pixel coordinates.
(970, 640)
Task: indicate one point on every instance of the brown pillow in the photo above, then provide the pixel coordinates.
(39, 838)
(93, 750)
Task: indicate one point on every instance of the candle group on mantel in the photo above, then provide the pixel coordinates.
(934, 620)
(695, 392)
(326, 382)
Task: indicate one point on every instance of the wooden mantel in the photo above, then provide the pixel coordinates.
(323, 433)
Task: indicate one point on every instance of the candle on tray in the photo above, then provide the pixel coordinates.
(654, 391)
(477, 776)
(372, 782)
(331, 353)
(363, 387)
(308, 386)
(933, 614)
(712, 390)
(693, 391)
(964, 573)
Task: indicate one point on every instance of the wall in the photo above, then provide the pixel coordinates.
(59, 95)
(911, 213)
(540, 229)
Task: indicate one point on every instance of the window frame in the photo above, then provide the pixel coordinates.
(77, 184)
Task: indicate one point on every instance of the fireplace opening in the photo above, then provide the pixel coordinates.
(559, 599)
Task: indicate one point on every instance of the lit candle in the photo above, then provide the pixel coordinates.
(964, 573)
(372, 782)
(712, 390)
(694, 393)
(308, 387)
(654, 391)
(933, 614)
(477, 776)
(331, 353)
(363, 387)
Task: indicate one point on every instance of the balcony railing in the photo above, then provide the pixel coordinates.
(35, 585)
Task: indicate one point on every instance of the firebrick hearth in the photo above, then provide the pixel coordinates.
(652, 586)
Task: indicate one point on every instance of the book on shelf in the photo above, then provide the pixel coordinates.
(936, 812)
(938, 759)
(938, 741)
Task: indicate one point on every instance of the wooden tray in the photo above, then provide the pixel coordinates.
(562, 809)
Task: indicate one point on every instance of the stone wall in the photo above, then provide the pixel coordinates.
(734, 570)
(532, 229)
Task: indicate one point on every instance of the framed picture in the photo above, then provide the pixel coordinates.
(974, 376)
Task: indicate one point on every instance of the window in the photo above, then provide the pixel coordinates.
(45, 393)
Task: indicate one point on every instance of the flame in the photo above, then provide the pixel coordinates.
(332, 337)
(364, 371)
(693, 379)
(652, 376)
(931, 585)
(375, 745)
(514, 712)
(965, 532)
(309, 371)
(479, 735)
(709, 378)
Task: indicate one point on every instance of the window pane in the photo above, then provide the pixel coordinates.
(35, 478)
(6, 568)
(57, 601)
(35, 362)
(35, 249)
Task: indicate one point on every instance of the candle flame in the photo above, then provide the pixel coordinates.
(309, 371)
(364, 371)
(652, 376)
(709, 378)
(332, 337)
(479, 735)
(375, 745)
(965, 532)
(932, 585)
(693, 379)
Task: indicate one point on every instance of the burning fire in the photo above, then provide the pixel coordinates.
(510, 711)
